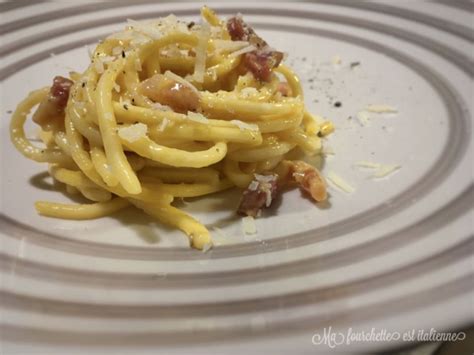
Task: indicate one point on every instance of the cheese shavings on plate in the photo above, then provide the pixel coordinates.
(339, 182)
(381, 109)
(381, 170)
(133, 133)
(248, 225)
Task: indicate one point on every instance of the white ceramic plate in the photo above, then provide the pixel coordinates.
(395, 254)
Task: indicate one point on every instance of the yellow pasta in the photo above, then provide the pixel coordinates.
(169, 109)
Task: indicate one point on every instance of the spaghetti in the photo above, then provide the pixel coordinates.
(172, 109)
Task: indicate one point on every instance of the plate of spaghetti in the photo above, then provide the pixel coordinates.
(182, 177)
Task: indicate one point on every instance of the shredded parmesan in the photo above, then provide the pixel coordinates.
(363, 117)
(265, 178)
(160, 107)
(253, 185)
(386, 170)
(170, 75)
(206, 247)
(248, 92)
(163, 124)
(244, 125)
(381, 109)
(244, 50)
(228, 45)
(336, 60)
(201, 52)
(133, 133)
(382, 170)
(138, 64)
(338, 182)
(117, 50)
(248, 225)
(99, 66)
(145, 28)
(367, 164)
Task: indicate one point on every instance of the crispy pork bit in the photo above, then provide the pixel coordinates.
(284, 89)
(170, 93)
(236, 29)
(51, 110)
(260, 61)
(304, 175)
(258, 195)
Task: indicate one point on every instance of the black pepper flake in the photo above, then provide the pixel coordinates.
(9, 111)
(123, 54)
(133, 101)
(83, 85)
(338, 104)
(354, 64)
(191, 25)
(123, 72)
(125, 107)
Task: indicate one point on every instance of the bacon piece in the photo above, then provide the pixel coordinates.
(304, 175)
(284, 89)
(235, 27)
(51, 110)
(170, 93)
(59, 92)
(260, 61)
(258, 195)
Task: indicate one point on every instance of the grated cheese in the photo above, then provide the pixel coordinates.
(253, 185)
(338, 182)
(268, 198)
(367, 164)
(117, 87)
(381, 109)
(244, 50)
(99, 66)
(386, 170)
(117, 50)
(363, 117)
(248, 225)
(163, 124)
(160, 107)
(133, 133)
(197, 117)
(243, 125)
(248, 92)
(382, 170)
(138, 64)
(170, 75)
(206, 247)
(201, 52)
(336, 60)
(265, 178)
(223, 45)
(145, 28)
